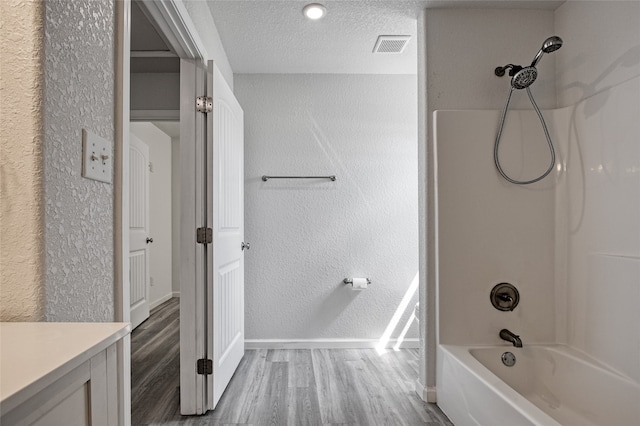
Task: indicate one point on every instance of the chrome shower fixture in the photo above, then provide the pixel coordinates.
(551, 44)
(523, 77)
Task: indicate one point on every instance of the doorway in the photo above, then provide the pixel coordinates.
(155, 202)
(210, 176)
(154, 207)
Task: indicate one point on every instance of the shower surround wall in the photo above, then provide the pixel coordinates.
(592, 225)
(480, 251)
(598, 199)
(307, 235)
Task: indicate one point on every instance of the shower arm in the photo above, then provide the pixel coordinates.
(513, 69)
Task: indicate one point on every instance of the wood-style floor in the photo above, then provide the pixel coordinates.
(279, 387)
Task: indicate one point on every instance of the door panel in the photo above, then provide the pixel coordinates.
(225, 157)
(138, 230)
(212, 275)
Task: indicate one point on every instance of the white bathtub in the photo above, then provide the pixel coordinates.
(548, 385)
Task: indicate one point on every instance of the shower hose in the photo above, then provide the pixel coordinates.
(546, 133)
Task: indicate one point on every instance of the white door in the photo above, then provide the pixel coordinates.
(211, 275)
(139, 230)
(225, 214)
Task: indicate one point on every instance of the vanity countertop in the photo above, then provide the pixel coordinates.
(35, 354)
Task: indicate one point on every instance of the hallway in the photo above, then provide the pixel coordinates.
(279, 387)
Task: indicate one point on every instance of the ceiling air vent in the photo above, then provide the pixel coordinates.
(391, 44)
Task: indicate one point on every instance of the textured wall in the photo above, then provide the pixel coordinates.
(598, 204)
(21, 175)
(306, 236)
(79, 93)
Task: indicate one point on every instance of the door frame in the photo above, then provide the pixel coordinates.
(172, 18)
(179, 30)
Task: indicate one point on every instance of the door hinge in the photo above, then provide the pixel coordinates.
(205, 366)
(204, 235)
(204, 104)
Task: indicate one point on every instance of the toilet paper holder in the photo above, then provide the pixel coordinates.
(350, 281)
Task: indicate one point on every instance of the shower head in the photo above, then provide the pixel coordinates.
(524, 78)
(551, 44)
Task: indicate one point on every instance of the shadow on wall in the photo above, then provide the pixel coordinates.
(628, 59)
(592, 105)
(343, 295)
(332, 307)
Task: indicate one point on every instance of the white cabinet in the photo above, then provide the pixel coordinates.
(60, 373)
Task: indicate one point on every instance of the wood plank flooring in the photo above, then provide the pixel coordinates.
(279, 387)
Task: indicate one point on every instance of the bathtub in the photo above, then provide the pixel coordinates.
(548, 385)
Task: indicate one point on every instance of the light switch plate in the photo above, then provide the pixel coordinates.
(97, 157)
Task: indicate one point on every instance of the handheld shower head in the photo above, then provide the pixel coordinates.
(523, 77)
(551, 44)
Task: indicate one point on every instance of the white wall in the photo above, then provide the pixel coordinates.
(203, 21)
(307, 236)
(160, 218)
(490, 231)
(464, 46)
(463, 49)
(598, 203)
(175, 215)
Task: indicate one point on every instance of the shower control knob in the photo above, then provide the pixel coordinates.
(245, 246)
(504, 297)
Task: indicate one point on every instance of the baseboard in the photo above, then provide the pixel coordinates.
(175, 294)
(160, 301)
(427, 394)
(431, 394)
(326, 344)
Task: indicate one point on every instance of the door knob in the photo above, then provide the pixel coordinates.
(149, 240)
(245, 246)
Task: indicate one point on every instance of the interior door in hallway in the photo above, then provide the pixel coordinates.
(225, 214)
(139, 230)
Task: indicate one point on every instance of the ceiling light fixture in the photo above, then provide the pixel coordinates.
(314, 11)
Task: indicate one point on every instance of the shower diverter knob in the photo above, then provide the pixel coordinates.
(504, 297)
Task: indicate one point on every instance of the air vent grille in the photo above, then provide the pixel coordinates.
(391, 44)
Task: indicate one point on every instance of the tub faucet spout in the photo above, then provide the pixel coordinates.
(511, 338)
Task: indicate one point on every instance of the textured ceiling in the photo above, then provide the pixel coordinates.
(264, 36)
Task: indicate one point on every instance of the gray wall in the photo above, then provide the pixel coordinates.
(79, 93)
(157, 91)
(306, 236)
